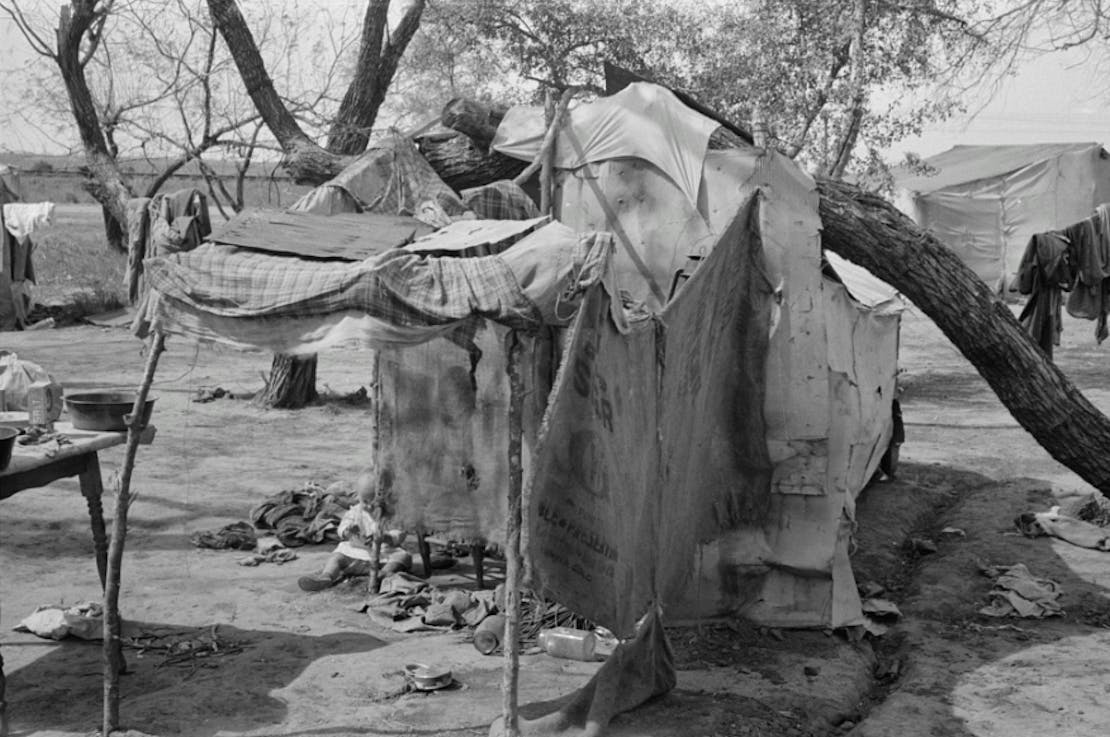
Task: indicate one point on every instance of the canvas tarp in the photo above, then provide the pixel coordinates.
(391, 177)
(643, 121)
(653, 439)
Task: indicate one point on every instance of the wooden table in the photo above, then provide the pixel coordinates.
(34, 466)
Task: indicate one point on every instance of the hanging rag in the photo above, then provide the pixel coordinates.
(1088, 251)
(24, 218)
(1045, 271)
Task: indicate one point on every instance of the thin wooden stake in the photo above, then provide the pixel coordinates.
(547, 168)
(547, 147)
(374, 583)
(113, 647)
(511, 641)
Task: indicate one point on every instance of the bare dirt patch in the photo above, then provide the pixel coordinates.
(310, 664)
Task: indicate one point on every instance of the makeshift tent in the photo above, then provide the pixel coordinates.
(985, 202)
(706, 394)
(815, 410)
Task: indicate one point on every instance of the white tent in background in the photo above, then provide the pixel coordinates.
(985, 202)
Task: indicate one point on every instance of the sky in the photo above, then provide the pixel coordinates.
(1053, 98)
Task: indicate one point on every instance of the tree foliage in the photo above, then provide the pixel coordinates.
(788, 62)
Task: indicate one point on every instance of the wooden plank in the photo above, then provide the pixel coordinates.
(342, 237)
(29, 457)
(474, 238)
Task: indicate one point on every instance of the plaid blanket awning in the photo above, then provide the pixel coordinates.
(283, 304)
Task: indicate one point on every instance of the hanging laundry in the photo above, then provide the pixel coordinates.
(1075, 259)
(1045, 270)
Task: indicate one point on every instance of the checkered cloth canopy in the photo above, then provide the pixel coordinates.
(502, 200)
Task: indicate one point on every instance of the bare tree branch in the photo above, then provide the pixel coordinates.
(37, 43)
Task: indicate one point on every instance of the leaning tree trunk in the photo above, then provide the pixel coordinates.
(80, 25)
(292, 382)
(869, 231)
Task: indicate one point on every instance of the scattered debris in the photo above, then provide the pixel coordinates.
(204, 394)
(1017, 593)
(274, 555)
(880, 608)
(922, 545)
(187, 651)
(428, 677)
(869, 589)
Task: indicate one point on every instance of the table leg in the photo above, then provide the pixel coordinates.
(3, 702)
(92, 488)
(425, 552)
(478, 556)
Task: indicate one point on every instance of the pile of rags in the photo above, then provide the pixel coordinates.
(304, 516)
(406, 603)
(1017, 593)
(296, 517)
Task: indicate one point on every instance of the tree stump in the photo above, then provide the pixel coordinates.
(292, 383)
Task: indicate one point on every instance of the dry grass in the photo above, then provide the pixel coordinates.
(73, 262)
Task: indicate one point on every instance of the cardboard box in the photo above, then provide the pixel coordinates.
(44, 402)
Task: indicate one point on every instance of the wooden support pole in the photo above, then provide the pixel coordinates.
(374, 583)
(547, 147)
(113, 647)
(511, 641)
(548, 156)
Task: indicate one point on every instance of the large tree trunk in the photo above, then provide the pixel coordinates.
(868, 230)
(292, 381)
(104, 181)
(379, 53)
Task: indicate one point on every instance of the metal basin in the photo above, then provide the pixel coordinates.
(104, 410)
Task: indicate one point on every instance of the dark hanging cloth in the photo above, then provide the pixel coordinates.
(1090, 248)
(1045, 272)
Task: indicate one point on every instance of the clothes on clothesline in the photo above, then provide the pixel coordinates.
(1075, 259)
(24, 218)
(160, 226)
(17, 272)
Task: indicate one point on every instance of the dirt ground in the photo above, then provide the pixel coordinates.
(312, 665)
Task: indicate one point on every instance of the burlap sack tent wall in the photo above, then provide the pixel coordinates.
(985, 202)
(831, 364)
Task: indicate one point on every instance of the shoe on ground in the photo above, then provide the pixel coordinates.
(315, 583)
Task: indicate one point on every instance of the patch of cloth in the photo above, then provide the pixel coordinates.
(274, 555)
(84, 620)
(1070, 529)
(637, 670)
(236, 536)
(501, 200)
(1017, 593)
